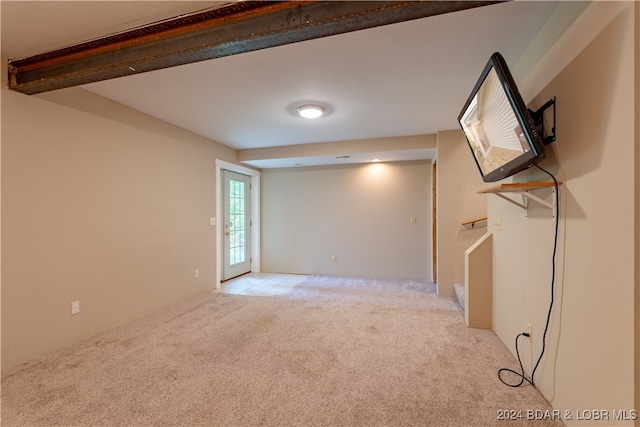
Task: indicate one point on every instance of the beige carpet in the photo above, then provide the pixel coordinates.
(331, 352)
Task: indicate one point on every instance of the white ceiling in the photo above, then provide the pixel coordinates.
(33, 27)
(410, 78)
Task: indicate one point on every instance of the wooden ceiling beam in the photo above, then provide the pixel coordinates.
(232, 29)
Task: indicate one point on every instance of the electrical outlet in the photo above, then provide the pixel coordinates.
(75, 307)
(212, 221)
(497, 224)
(334, 258)
(196, 273)
(413, 220)
(530, 331)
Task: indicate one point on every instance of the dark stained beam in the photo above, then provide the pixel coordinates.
(235, 28)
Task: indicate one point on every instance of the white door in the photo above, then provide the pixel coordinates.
(237, 224)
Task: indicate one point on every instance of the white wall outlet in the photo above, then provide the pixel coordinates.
(196, 273)
(414, 220)
(75, 307)
(334, 258)
(212, 221)
(530, 331)
(497, 224)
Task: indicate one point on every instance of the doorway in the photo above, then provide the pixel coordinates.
(236, 207)
(434, 223)
(219, 220)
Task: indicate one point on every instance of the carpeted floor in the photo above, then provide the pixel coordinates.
(330, 352)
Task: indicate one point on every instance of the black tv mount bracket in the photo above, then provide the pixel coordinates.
(538, 121)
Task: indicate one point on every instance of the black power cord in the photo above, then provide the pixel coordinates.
(553, 269)
(521, 374)
(523, 378)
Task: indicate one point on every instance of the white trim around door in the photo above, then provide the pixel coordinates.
(255, 215)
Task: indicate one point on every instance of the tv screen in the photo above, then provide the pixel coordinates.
(498, 126)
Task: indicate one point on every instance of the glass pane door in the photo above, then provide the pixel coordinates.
(237, 223)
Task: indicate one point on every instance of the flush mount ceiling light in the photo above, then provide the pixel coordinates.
(310, 111)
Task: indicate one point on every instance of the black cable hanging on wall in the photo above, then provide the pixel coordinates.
(521, 374)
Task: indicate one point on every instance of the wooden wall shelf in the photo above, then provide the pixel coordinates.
(525, 189)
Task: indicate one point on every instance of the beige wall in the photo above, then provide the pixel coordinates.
(358, 213)
(110, 210)
(458, 183)
(637, 210)
(589, 360)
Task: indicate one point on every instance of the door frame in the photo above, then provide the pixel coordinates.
(255, 215)
(230, 229)
(434, 221)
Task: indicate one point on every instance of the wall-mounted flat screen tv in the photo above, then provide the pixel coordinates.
(498, 126)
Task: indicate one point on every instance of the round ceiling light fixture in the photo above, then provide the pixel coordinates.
(310, 111)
